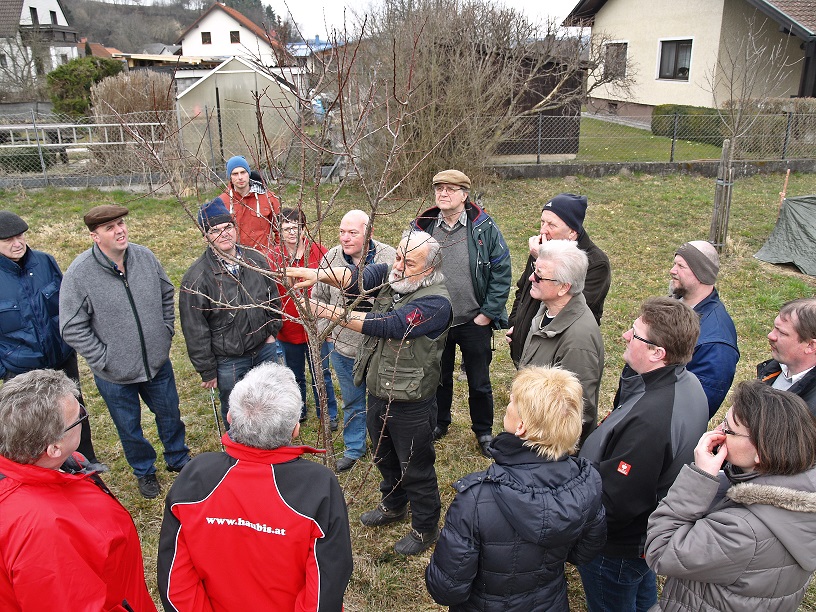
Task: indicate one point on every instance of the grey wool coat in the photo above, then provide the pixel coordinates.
(746, 547)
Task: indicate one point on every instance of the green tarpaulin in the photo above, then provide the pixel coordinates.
(793, 240)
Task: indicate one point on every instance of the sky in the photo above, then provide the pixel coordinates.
(313, 15)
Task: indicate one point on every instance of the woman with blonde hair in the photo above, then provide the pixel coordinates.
(510, 529)
(737, 528)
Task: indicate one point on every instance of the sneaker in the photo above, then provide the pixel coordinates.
(484, 444)
(333, 425)
(149, 486)
(381, 515)
(416, 542)
(439, 433)
(344, 464)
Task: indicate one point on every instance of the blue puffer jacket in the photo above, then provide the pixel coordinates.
(510, 529)
(29, 314)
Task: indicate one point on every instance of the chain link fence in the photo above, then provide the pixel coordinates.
(142, 148)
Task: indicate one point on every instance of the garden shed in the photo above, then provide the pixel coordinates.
(218, 116)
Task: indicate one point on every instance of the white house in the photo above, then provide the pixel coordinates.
(35, 38)
(224, 32)
(675, 47)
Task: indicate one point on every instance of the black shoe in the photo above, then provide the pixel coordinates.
(344, 464)
(381, 515)
(333, 425)
(177, 468)
(439, 433)
(416, 542)
(303, 418)
(484, 444)
(149, 486)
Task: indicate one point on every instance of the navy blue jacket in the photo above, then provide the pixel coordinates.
(510, 529)
(29, 314)
(715, 358)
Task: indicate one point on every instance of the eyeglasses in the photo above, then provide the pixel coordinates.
(83, 414)
(537, 279)
(641, 338)
(215, 232)
(291, 230)
(446, 189)
(730, 432)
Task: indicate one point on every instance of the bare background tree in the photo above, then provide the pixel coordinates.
(23, 68)
(750, 69)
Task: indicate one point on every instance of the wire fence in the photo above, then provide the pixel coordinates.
(143, 147)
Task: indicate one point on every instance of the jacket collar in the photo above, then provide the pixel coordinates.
(282, 454)
(369, 258)
(508, 449)
(566, 317)
(36, 475)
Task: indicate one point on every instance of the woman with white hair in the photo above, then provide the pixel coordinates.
(564, 332)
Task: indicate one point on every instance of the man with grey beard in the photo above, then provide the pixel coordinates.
(399, 360)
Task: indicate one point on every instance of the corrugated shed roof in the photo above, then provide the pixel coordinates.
(10, 12)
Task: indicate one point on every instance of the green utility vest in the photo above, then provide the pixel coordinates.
(401, 369)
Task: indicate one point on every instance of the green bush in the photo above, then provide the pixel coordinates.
(25, 160)
(70, 84)
(695, 123)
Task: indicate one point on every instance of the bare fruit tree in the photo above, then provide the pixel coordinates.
(404, 95)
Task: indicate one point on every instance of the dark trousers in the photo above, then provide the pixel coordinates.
(71, 369)
(475, 343)
(401, 434)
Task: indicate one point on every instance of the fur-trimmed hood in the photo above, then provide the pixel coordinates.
(772, 499)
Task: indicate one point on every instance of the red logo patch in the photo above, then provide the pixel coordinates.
(624, 468)
(414, 317)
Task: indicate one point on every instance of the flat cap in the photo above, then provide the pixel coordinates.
(452, 177)
(11, 225)
(102, 214)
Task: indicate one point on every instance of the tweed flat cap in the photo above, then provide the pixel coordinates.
(102, 214)
(452, 177)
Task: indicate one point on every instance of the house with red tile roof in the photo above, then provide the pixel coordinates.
(222, 31)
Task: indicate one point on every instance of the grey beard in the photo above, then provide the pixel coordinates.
(405, 285)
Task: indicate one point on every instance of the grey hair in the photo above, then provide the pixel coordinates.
(569, 263)
(433, 259)
(31, 413)
(265, 407)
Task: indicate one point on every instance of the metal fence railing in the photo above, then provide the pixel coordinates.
(53, 149)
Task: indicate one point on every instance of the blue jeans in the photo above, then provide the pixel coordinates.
(354, 406)
(233, 369)
(612, 584)
(296, 356)
(162, 399)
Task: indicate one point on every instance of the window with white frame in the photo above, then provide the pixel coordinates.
(675, 59)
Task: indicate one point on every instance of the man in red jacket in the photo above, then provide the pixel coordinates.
(66, 543)
(254, 208)
(258, 526)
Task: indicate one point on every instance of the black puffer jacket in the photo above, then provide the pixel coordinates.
(510, 529)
